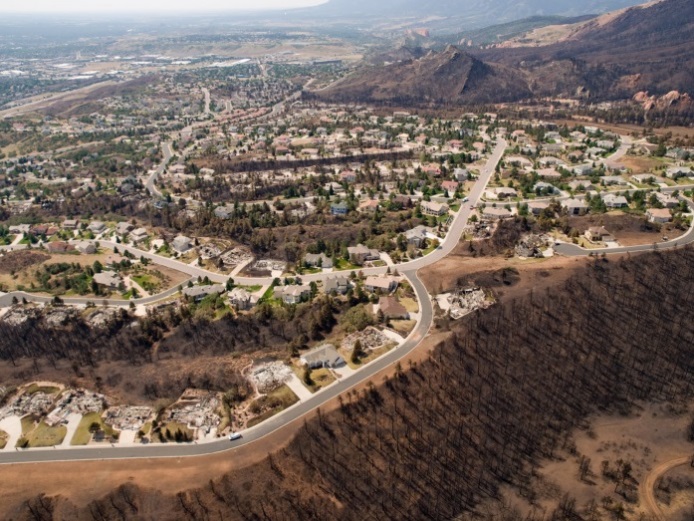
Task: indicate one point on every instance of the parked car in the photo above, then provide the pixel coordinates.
(234, 436)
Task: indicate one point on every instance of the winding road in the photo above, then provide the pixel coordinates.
(409, 270)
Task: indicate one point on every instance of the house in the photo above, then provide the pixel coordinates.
(492, 213)
(595, 152)
(434, 209)
(198, 293)
(182, 244)
(97, 227)
(679, 171)
(348, 176)
(450, 186)
(123, 228)
(501, 193)
(70, 224)
(336, 285)
(548, 161)
(548, 173)
(223, 212)
(659, 215)
(59, 247)
(325, 356)
(339, 209)
(583, 169)
(537, 207)
(403, 200)
(545, 188)
(610, 180)
(292, 294)
(320, 260)
(370, 206)
(138, 235)
(417, 236)
(392, 308)
(386, 284)
(108, 279)
(666, 200)
(461, 174)
(598, 234)
(644, 179)
(360, 254)
(615, 201)
(86, 247)
(576, 206)
(241, 299)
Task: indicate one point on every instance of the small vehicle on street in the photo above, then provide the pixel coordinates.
(234, 436)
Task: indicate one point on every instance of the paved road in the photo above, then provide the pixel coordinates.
(251, 435)
(647, 487)
(573, 250)
(409, 270)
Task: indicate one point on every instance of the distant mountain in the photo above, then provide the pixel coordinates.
(476, 13)
(450, 77)
(645, 48)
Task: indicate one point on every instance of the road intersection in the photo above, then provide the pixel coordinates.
(408, 270)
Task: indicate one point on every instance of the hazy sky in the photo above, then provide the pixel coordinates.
(71, 6)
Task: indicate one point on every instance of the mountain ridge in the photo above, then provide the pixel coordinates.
(643, 48)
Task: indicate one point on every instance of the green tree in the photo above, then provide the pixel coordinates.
(357, 352)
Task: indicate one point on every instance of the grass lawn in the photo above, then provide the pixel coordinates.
(321, 378)
(429, 250)
(35, 388)
(40, 435)
(342, 264)
(252, 289)
(369, 355)
(410, 305)
(403, 327)
(274, 402)
(82, 435)
(455, 207)
(172, 428)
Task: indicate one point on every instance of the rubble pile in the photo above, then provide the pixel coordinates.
(210, 251)
(236, 256)
(75, 402)
(196, 412)
(465, 301)
(36, 404)
(532, 246)
(268, 377)
(101, 317)
(270, 265)
(370, 338)
(127, 418)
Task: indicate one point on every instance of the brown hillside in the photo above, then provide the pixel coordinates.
(451, 77)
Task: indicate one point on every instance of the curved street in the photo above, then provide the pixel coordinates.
(409, 270)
